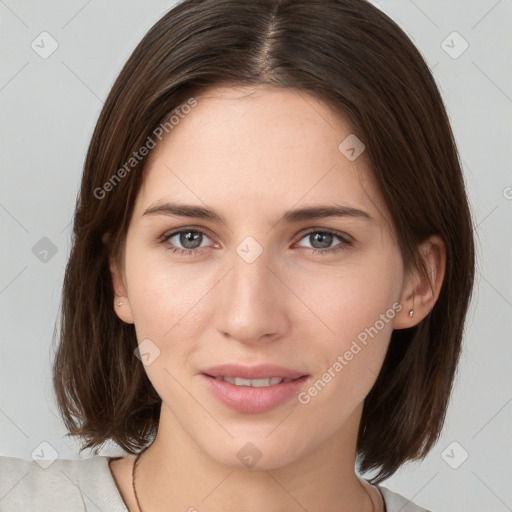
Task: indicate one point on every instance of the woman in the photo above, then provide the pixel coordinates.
(271, 267)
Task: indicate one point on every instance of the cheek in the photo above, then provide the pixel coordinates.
(357, 306)
(165, 297)
(352, 297)
(169, 305)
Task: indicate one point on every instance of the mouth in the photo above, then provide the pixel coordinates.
(253, 389)
(261, 372)
(255, 383)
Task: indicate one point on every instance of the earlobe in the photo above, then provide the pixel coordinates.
(123, 309)
(411, 311)
(121, 303)
(422, 291)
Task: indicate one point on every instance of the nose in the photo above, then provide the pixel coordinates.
(252, 301)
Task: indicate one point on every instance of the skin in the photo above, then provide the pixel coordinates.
(252, 154)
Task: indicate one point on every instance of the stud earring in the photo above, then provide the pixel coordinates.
(119, 304)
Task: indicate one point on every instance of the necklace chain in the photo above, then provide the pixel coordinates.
(136, 462)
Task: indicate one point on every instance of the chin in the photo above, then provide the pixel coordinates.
(257, 452)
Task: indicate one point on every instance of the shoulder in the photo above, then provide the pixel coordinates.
(27, 485)
(65, 484)
(396, 503)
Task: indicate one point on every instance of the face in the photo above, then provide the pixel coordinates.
(256, 284)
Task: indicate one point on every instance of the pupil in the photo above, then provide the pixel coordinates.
(189, 237)
(325, 239)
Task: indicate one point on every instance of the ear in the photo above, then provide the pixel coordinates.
(121, 302)
(421, 292)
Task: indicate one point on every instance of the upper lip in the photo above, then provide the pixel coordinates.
(261, 371)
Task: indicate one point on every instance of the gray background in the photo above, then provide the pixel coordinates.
(48, 109)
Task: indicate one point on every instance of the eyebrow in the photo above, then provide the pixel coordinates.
(291, 216)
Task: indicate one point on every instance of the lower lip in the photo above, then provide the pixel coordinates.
(253, 400)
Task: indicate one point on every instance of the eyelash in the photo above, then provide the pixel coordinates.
(345, 241)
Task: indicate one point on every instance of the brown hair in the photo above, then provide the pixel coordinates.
(353, 57)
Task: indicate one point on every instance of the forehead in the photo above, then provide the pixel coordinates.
(261, 148)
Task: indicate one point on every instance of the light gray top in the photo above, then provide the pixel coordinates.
(87, 485)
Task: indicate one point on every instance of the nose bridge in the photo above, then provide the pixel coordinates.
(250, 306)
(250, 277)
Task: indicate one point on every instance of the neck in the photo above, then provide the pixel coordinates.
(175, 473)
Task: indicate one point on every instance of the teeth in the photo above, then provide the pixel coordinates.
(255, 383)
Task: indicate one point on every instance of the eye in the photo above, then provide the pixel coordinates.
(189, 239)
(323, 239)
